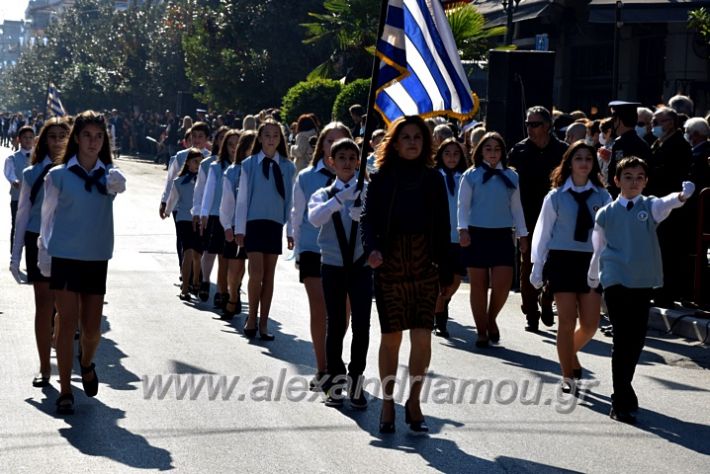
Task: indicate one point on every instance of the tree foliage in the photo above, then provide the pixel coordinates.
(100, 58)
(355, 92)
(316, 96)
(468, 27)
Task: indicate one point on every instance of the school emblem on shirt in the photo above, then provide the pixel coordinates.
(642, 216)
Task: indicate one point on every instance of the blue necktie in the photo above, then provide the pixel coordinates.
(90, 180)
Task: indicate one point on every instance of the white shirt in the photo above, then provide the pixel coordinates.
(173, 172)
(51, 200)
(242, 208)
(321, 208)
(546, 221)
(660, 209)
(464, 207)
(197, 196)
(299, 204)
(227, 206)
(9, 169)
(24, 206)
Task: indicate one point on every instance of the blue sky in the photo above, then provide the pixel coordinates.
(13, 9)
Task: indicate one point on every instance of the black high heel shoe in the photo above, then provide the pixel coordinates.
(387, 427)
(418, 426)
(250, 333)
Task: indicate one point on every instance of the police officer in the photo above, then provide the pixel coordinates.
(624, 118)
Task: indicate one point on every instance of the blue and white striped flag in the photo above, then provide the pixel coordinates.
(420, 67)
(54, 103)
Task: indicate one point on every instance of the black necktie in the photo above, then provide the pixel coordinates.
(585, 222)
(629, 205)
(328, 174)
(189, 177)
(39, 183)
(450, 181)
(490, 172)
(93, 179)
(278, 177)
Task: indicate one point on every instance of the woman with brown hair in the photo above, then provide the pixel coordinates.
(405, 231)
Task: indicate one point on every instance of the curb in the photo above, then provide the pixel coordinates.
(686, 323)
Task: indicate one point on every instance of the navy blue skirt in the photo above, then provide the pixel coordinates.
(264, 236)
(31, 254)
(233, 252)
(489, 248)
(80, 276)
(190, 238)
(566, 271)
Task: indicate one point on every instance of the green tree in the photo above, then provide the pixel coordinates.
(316, 96)
(469, 29)
(355, 92)
(349, 29)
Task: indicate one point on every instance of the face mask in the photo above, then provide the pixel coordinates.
(657, 131)
(602, 140)
(641, 131)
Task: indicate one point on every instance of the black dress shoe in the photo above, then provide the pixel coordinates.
(622, 416)
(40, 381)
(494, 336)
(250, 333)
(547, 316)
(482, 343)
(418, 426)
(91, 387)
(65, 404)
(266, 336)
(387, 427)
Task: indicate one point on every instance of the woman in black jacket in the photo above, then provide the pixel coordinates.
(406, 235)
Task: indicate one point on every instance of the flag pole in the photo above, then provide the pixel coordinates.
(370, 121)
(46, 101)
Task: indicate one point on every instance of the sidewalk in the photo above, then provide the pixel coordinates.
(693, 324)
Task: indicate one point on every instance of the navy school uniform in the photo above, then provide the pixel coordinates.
(77, 219)
(345, 273)
(489, 207)
(305, 234)
(562, 238)
(630, 266)
(180, 201)
(227, 206)
(29, 218)
(264, 202)
(14, 165)
(452, 179)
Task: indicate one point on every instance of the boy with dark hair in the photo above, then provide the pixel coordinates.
(344, 272)
(627, 263)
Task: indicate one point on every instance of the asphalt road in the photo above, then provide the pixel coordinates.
(268, 423)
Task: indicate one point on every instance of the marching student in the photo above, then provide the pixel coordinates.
(180, 201)
(406, 236)
(234, 255)
(562, 250)
(488, 210)
(263, 207)
(208, 224)
(345, 273)
(14, 164)
(50, 146)
(197, 140)
(318, 175)
(451, 162)
(627, 263)
(75, 244)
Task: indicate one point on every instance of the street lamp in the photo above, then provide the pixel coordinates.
(509, 7)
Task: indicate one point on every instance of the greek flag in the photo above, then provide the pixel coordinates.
(420, 70)
(54, 103)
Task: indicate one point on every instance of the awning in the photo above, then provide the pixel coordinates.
(526, 10)
(646, 11)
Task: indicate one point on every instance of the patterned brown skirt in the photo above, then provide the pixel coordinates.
(406, 285)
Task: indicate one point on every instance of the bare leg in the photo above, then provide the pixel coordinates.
(222, 274)
(479, 300)
(388, 361)
(267, 290)
(501, 279)
(187, 259)
(419, 359)
(44, 307)
(68, 306)
(256, 275)
(316, 303)
(567, 315)
(589, 314)
(207, 264)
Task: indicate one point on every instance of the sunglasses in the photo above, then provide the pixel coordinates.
(533, 124)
